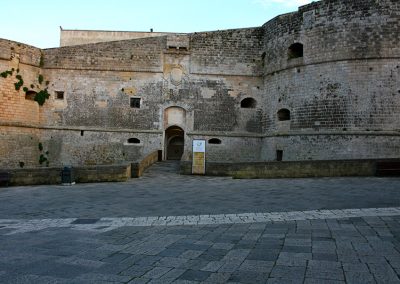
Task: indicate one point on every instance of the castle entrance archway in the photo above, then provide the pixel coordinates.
(174, 125)
(175, 142)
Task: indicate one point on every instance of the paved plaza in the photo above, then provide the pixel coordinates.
(167, 228)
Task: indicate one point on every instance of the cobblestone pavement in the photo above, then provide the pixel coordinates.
(162, 192)
(292, 231)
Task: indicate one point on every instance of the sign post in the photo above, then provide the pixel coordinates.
(199, 157)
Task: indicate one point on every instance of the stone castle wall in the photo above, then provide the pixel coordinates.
(21, 60)
(19, 118)
(78, 37)
(98, 89)
(343, 93)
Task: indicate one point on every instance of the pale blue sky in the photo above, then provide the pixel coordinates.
(36, 22)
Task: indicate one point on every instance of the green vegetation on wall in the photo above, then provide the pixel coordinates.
(40, 97)
(43, 158)
(41, 61)
(6, 73)
(20, 82)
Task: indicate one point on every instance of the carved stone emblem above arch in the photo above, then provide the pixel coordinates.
(176, 76)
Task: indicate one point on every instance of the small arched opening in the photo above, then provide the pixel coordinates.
(295, 51)
(30, 95)
(283, 114)
(248, 103)
(133, 141)
(214, 141)
(174, 142)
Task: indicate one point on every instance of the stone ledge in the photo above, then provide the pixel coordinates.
(205, 133)
(76, 128)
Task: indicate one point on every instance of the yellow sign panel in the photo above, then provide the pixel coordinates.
(198, 163)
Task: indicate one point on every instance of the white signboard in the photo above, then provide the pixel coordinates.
(199, 157)
(199, 146)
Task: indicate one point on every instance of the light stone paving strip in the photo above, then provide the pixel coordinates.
(107, 224)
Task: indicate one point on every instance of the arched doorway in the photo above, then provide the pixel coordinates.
(174, 142)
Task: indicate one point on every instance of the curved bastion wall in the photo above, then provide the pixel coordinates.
(334, 67)
(318, 84)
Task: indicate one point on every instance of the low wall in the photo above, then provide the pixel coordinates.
(104, 173)
(37, 176)
(295, 169)
(137, 169)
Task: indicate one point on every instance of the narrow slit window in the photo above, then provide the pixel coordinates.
(263, 58)
(279, 155)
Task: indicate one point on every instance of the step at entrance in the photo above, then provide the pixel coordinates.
(164, 167)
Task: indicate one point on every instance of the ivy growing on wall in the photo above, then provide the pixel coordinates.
(41, 61)
(6, 73)
(20, 82)
(40, 97)
(43, 158)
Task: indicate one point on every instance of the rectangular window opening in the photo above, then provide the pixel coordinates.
(135, 102)
(59, 95)
(279, 155)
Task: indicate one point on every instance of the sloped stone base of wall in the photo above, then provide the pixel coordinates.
(295, 169)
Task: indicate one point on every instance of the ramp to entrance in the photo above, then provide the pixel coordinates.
(169, 167)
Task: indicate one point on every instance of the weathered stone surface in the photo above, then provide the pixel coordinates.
(341, 95)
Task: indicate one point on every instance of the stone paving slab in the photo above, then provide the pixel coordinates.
(106, 224)
(184, 253)
(166, 228)
(161, 193)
